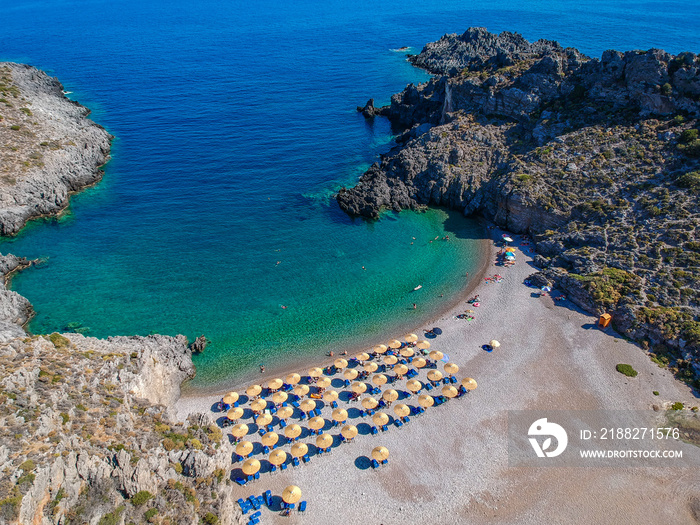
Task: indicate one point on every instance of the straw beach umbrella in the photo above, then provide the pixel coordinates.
(275, 384)
(258, 405)
(253, 390)
(418, 362)
(410, 338)
(244, 448)
(362, 356)
(324, 441)
(234, 414)
(292, 431)
(426, 401)
(340, 363)
(269, 439)
(494, 343)
(401, 370)
(317, 423)
(469, 383)
(379, 379)
(291, 494)
(299, 449)
(239, 430)
(369, 403)
(316, 372)
(350, 374)
(349, 431)
(279, 397)
(449, 391)
(277, 457)
(380, 419)
(358, 388)
(301, 390)
(394, 343)
(402, 410)
(390, 395)
(370, 367)
(423, 345)
(230, 398)
(330, 395)
(390, 359)
(414, 385)
(250, 466)
(324, 382)
(435, 375)
(436, 355)
(264, 419)
(285, 412)
(407, 352)
(293, 379)
(380, 453)
(307, 405)
(451, 368)
(380, 349)
(340, 415)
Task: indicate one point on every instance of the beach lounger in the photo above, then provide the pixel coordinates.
(255, 502)
(374, 463)
(253, 521)
(453, 379)
(428, 386)
(283, 466)
(406, 419)
(266, 449)
(283, 423)
(295, 404)
(246, 507)
(267, 495)
(270, 428)
(334, 404)
(302, 506)
(399, 423)
(262, 431)
(306, 458)
(241, 481)
(295, 462)
(273, 468)
(384, 462)
(374, 430)
(385, 428)
(303, 416)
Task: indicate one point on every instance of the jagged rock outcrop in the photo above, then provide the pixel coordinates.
(15, 310)
(596, 158)
(53, 149)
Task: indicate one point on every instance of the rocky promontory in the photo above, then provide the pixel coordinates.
(88, 432)
(597, 159)
(50, 148)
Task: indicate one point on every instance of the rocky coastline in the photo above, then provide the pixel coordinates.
(88, 432)
(597, 159)
(50, 148)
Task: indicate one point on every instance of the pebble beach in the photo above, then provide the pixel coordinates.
(450, 464)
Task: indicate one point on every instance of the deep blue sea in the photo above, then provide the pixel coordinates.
(235, 124)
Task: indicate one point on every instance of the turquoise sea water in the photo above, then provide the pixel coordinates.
(235, 124)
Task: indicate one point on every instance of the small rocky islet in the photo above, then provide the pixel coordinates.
(596, 159)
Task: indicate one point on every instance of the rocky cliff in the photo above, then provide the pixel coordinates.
(49, 146)
(87, 433)
(596, 158)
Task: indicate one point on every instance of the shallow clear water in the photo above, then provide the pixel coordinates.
(235, 124)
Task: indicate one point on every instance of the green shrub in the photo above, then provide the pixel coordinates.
(678, 120)
(28, 466)
(15, 127)
(688, 136)
(196, 444)
(65, 417)
(141, 497)
(626, 370)
(26, 111)
(150, 514)
(655, 392)
(677, 406)
(168, 444)
(210, 519)
(178, 467)
(666, 89)
(58, 340)
(690, 180)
